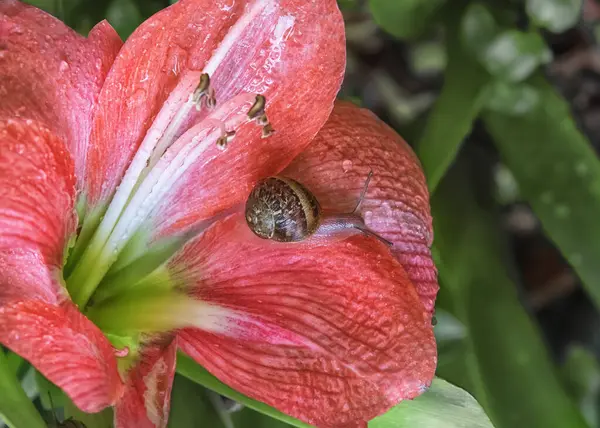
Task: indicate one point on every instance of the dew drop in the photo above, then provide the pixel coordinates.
(347, 165)
(16, 30)
(41, 175)
(64, 66)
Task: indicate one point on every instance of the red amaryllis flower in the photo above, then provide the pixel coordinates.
(124, 170)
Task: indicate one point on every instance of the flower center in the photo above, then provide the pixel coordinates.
(107, 259)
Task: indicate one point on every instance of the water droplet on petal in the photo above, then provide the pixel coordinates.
(347, 165)
(16, 30)
(64, 66)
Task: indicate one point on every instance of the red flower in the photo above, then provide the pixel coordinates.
(125, 143)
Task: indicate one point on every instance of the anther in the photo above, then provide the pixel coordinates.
(262, 120)
(211, 101)
(201, 89)
(225, 139)
(267, 130)
(258, 108)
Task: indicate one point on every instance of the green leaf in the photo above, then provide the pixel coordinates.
(191, 407)
(505, 362)
(512, 99)
(559, 175)
(514, 55)
(406, 18)
(582, 375)
(15, 407)
(124, 16)
(247, 418)
(478, 28)
(555, 15)
(103, 419)
(15, 362)
(442, 406)
(190, 369)
(454, 112)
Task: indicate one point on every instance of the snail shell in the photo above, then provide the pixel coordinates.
(283, 210)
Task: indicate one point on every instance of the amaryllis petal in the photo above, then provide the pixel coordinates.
(51, 74)
(65, 347)
(37, 321)
(289, 50)
(335, 167)
(331, 333)
(37, 191)
(145, 403)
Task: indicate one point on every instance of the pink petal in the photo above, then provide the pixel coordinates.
(332, 333)
(335, 166)
(147, 396)
(51, 74)
(37, 191)
(290, 51)
(66, 348)
(25, 275)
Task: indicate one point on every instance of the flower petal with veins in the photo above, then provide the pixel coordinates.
(66, 348)
(145, 402)
(37, 321)
(333, 334)
(37, 191)
(335, 166)
(51, 74)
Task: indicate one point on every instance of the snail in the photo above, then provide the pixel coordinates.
(283, 210)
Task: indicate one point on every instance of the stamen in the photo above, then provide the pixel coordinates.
(225, 139)
(204, 92)
(201, 90)
(211, 100)
(152, 190)
(262, 120)
(258, 108)
(267, 130)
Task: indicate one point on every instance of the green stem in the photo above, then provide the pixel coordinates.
(16, 408)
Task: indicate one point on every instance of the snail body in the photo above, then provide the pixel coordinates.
(283, 210)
